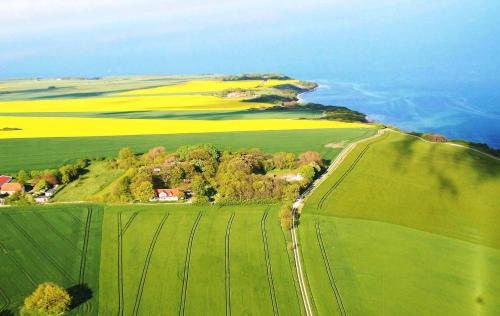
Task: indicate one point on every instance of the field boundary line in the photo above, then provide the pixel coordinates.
(129, 222)
(187, 261)
(145, 268)
(39, 249)
(329, 271)
(449, 143)
(18, 265)
(120, 263)
(267, 259)
(227, 263)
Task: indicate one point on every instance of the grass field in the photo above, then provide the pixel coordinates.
(196, 260)
(412, 233)
(59, 244)
(203, 86)
(89, 186)
(53, 152)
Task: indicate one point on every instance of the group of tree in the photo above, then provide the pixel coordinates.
(212, 174)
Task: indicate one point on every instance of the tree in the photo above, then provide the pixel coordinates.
(310, 156)
(22, 177)
(19, 198)
(41, 185)
(144, 192)
(286, 217)
(47, 299)
(284, 160)
(126, 158)
(68, 173)
(51, 176)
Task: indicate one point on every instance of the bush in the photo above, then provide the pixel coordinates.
(286, 217)
(47, 299)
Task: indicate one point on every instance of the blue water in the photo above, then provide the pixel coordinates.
(458, 111)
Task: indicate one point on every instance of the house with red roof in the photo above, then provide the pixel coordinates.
(4, 179)
(169, 194)
(11, 188)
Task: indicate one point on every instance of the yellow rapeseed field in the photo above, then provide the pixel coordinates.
(128, 103)
(31, 127)
(204, 86)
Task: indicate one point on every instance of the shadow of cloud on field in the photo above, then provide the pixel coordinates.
(484, 167)
(80, 294)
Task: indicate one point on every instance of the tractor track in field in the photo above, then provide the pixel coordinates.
(37, 246)
(342, 177)
(55, 231)
(86, 307)
(18, 265)
(145, 268)
(7, 301)
(328, 268)
(129, 222)
(120, 263)
(187, 261)
(227, 262)
(270, 279)
(348, 171)
(308, 306)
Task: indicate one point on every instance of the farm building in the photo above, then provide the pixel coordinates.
(169, 194)
(4, 179)
(11, 188)
(42, 199)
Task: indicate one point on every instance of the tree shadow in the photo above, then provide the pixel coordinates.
(80, 294)
(6, 312)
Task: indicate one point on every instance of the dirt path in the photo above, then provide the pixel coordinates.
(295, 209)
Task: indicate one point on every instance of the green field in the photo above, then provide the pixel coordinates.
(196, 260)
(405, 227)
(193, 259)
(90, 185)
(44, 153)
(59, 243)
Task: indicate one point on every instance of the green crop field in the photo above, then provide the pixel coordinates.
(193, 259)
(405, 227)
(59, 244)
(41, 153)
(196, 260)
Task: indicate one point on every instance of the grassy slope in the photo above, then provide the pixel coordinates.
(89, 185)
(410, 229)
(35, 153)
(205, 290)
(45, 244)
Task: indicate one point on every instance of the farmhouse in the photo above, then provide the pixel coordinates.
(11, 188)
(4, 179)
(169, 194)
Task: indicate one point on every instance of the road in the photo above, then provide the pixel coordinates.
(295, 209)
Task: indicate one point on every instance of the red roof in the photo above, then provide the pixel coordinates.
(169, 192)
(4, 179)
(14, 186)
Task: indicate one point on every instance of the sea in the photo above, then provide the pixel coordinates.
(469, 111)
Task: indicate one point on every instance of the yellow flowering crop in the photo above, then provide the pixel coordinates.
(128, 103)
(31, 127)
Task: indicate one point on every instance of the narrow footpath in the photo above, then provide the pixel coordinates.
(295, 209)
